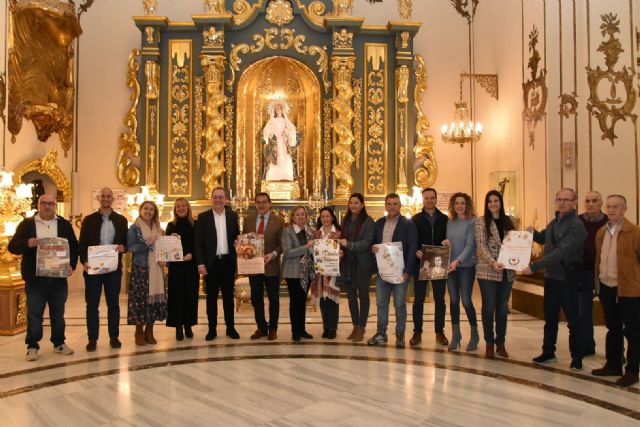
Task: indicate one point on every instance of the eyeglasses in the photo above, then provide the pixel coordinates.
(50, 204)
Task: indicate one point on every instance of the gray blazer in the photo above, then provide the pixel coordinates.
(292, 253)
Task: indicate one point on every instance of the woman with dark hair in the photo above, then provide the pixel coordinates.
(495, 282)
(462, 267)
(356, 266)
(147, 301)
(324, 289)
(184, 280)
(297, 268)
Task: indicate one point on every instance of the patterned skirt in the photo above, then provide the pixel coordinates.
(140, 310)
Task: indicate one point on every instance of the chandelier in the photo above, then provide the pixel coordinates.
(411, 205)
(146, 193)
(15, 203)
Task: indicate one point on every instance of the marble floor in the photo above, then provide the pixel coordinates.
(316, 382)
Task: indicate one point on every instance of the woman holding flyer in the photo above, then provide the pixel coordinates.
(325, 288)
(494, 280)
(147, 301)
(461, 239)
(297, 269)
(184, 280)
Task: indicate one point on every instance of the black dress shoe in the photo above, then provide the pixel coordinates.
(233, 334)
(211, 335)
(179, 333)
(92, 345)
(325, 332)
(115, 342)
(188, 332)
(306, 335)
(295, 337)
(331, 334)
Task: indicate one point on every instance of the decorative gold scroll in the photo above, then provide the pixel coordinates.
(614, 108)
(535, 89)
(213, 66)
(180, 112)
(198, 131)
(3, 97)
(48, 166)
(128, 146)
(375, 154)
(426, 170)
(568, 105)
(342, 68)
(289, 40)
(328, 137)
(464, 9)
(214, 7)
(228, 123)
(244, 11)
(357, 119)
(343, 39)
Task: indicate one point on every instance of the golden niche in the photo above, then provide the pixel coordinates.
(286, 90)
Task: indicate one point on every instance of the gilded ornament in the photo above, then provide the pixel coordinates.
(150, 180)
(342, 68)
(152, 75)
(343, 39)
(150, 33)
(404, 9)
(3, 97)
(615, 107)
(279, 12)
(199, 100)
(153, 113)
(568, 104)
(426, 170)
(402, 83)
(402, 171)
(150, 7)
(229, 142)
(41, 66)
(214, 7)
(328, 137)
(342, 7)
(128, 146)
(376, 108)
(465, 10)
(535, 89)
(243, 11)
(211, 37)
(21, 315)
(180, 113)
(357, 119)
(214, 141)
(404, 39)
(47, 165)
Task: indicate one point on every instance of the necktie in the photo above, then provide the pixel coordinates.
(261, 225)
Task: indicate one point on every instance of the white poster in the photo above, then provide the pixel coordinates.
(390, 262)
(515, 252)
(119, 200)
(326, 257)
(102, 259)
(168, 249)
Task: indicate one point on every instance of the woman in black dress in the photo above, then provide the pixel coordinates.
(183, 276)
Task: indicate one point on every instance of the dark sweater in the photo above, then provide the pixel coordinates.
(589, 255)
(90, 233)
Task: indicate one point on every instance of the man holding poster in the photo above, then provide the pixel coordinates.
(394, 228)
(103, 227)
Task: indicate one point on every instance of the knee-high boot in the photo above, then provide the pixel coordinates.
(473, 342)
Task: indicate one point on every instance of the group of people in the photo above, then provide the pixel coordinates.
(583, 254)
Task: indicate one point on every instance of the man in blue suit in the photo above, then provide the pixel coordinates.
(394, 228)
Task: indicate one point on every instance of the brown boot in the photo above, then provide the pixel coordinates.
(628, 379)
(148, 334)
(441, 338)
(488, 353)
(359, 334)
(416, 339)
(140, 336)
(502, 352)
(353, 333)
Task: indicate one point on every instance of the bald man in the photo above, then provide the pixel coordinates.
(42, 291)
(103, 227)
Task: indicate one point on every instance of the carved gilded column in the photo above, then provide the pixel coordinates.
(342, 68)
(426, 170)
(213, 66)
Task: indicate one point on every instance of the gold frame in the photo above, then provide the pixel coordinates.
(46, 165)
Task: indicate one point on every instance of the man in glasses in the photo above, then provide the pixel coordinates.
(563, 241)
(42, 291)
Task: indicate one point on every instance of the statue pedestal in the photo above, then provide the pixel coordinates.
(13, 300)
(282, 190)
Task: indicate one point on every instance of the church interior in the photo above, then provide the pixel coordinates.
(310, 101)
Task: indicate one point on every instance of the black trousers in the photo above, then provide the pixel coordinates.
(630, 312)
(92, 291)
(220, 278)
(420, 291)
(613, 321)
(272, 284)
(329, 310)
(558, 294)
(297, 306)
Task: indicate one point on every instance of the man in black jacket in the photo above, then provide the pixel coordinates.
(41, 291)
(104, 227)
(432, 230)
(216, 232)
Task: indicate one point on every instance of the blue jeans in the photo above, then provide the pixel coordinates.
(383, 297)
(495, 298)
(460, 285)
(558, 293)
(40, 292)
(92, 291)
(585, 310)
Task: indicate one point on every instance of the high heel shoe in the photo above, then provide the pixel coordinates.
(454, 344)
(188, 332)
(179, 333)
(473, 342)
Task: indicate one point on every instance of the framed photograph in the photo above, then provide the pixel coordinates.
(168, 249)
(102, 259)
(434, 264)
(52, 257)
(250, 250)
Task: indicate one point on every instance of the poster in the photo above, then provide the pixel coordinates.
(515, 252)
(250, 250)
(168, 249)
(52, 257)
(102, 259)
(326, 257)
(434, 264)
(390, 262)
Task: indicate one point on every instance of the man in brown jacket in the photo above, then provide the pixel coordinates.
(270, 226)
(617, 276)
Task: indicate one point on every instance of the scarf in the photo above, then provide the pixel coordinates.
(156, 273)
(325, 286)
(307, 270)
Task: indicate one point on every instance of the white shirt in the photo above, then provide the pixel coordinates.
(46, 228)
(220, 220)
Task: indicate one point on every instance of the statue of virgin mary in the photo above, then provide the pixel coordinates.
(279, 136)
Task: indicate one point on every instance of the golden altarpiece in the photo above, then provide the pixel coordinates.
(343, 98)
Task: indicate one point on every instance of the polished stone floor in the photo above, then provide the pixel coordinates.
(317, 382)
